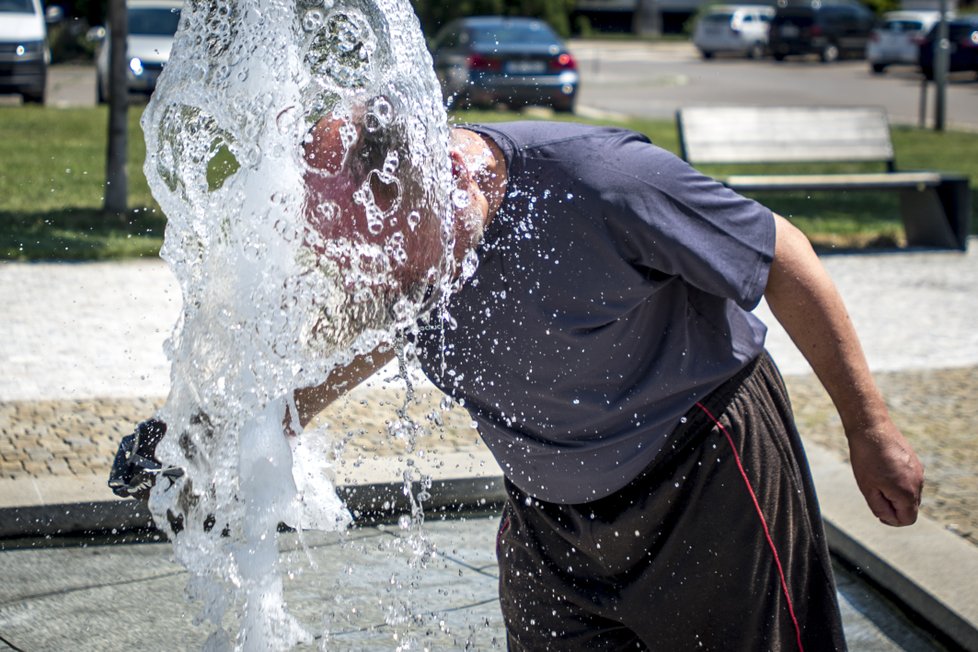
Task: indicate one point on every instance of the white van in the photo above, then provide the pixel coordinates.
(24, 54)
(733, 29)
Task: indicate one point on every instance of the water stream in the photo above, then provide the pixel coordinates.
(299, 151)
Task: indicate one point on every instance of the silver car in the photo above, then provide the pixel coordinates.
(895, 39)
(733, 29)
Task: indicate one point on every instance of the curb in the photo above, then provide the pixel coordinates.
(924, 568)
(929, 571)
(369, 503)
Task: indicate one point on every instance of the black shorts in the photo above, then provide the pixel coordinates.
(718, 545)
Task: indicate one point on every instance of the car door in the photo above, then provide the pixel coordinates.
(859, 23)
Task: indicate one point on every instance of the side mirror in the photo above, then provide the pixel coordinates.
(54, 15)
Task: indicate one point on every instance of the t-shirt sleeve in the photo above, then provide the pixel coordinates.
(683, 223)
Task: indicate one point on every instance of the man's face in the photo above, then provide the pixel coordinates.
(363, 210)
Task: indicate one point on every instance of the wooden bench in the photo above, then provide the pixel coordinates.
(935, 207)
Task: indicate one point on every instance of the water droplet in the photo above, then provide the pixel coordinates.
(313, 20)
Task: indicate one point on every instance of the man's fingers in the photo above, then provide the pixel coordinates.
(882, 508)
(898, 512)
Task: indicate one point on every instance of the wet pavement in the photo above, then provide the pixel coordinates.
(81, 347)
(357, 591)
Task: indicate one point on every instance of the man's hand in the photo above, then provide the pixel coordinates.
(888, 473)
(136, 468)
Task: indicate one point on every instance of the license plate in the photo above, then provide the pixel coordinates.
(525, 67)
(789, 31)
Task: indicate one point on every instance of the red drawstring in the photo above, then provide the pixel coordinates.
(760, 515)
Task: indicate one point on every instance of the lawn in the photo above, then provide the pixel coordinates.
(52, 174)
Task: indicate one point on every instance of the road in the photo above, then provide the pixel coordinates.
(653, 80)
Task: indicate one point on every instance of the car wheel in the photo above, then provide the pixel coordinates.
(33, 98)
(928, 73)
(829, 53)
(879, 67)
(564, 107)
(706, 54)
(756, 51)
(778, 56)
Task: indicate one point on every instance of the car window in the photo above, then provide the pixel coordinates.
(799, 17)
(957, 31)
(903, 25)
(156, 21)
(717, 18)
(528, 33)
(16, 7)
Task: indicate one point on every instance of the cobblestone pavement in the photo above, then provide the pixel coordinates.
(934, 408)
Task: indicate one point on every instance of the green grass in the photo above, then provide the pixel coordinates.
(52, 175)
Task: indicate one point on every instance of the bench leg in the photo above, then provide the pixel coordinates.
(937, 216)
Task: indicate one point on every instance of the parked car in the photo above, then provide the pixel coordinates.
(152, 25)
(24, 54)
(895, 40)
(733, 29)
(488, 60)
(829, 28)
(962, 36)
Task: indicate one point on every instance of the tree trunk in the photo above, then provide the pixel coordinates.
(116, 182)
(648, 18)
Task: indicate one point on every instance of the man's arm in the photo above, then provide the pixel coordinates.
(310, 401)
(805, 301)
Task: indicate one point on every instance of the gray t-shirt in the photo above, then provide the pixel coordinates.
(612, 293)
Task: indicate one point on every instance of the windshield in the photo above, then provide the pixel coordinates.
(16, 7)
(903, 25)
(158, 21)
(718, 18)
(529, 33)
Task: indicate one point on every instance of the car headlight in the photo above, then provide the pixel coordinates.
(29, 48)
(136, 66)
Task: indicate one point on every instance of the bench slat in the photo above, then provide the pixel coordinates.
(880, 181)
(934, 207)
(784, 134)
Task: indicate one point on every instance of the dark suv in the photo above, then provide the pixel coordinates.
(829, 28)
(962, 36)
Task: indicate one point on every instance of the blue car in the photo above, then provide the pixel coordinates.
(490, 60)
(962, 36)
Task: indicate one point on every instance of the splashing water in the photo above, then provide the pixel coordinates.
(299, 151)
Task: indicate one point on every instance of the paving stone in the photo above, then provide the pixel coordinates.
(934, 408)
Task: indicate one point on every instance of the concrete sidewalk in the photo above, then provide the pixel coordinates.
(81, 345)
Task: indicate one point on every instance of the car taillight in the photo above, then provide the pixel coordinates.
(563, 61)
(874, 37)
(482, 63)
(920, 39)
(815, 30)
